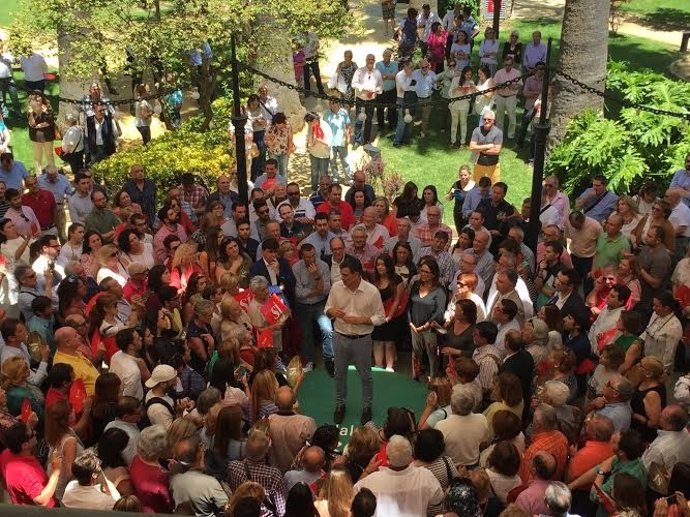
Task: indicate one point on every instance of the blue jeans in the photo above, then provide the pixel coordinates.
(319, 167)
(402, 128)
(339, 152)
(307, 314)
(358, 352)
(282, 163)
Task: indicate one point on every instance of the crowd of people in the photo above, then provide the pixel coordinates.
(144, 352)
(153, 349)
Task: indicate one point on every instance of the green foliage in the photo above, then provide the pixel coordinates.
(167, 157)
(632, 145)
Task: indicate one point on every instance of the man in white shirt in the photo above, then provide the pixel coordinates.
(405, 100)
(608, 318)
(402, 489)
(463, 431)
(425, 20)
(269, 104)
(90, 490)
(368, 84)
(680, 219)
(672, 445)
(129, 411)
(356, 308)
(424, 80)
(125, 365)
(160, 407)
(34, 66)
(506, 98)
(7, 84)
(15, 334)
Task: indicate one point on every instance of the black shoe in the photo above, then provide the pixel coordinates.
(339, 414)
(366, 415)
(330, 368)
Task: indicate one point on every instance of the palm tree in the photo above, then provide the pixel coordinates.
(583, 55)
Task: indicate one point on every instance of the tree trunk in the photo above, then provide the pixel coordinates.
(584, 50)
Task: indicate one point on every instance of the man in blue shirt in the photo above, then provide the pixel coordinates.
(481, 190)
(597, 202)
(339, 121)
(424, 82)
(388, 69)
(12, 172)
(681, 181)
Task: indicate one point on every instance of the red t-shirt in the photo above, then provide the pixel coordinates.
(25, 478)
(151, 486)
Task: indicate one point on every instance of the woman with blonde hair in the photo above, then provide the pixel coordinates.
(262, 396)
(234, 318)
(180, 429)
(649, 397)
(15, 375)
(627, 209)
(335, 496)
(184, 264)
(385, 216)
(246, 489)
(364, 444)
(109, 265)
(437, 406)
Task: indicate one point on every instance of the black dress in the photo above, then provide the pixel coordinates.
(463, 341)
(395, 328)
(637, 404)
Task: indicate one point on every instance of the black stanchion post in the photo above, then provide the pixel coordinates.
(541, 131)
(239, 121)
(497, 16)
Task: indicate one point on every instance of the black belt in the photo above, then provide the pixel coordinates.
(352, 336)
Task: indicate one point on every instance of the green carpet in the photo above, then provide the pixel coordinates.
(317, 397)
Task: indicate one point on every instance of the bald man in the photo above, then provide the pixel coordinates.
(313, 460)
(672, 445)
(531, 500)
(289, 430)
(68, 341)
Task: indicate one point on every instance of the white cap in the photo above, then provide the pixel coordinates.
(161, 373)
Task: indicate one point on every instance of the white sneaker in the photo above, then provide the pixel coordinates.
(308, 367)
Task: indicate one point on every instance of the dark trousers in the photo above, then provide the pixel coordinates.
(76, 161)
(8, 87)
(313, 66)
(35, 85)
(387, 98)
(449, 44)
(259, 161)
(363, 129)
(145, 132)
(583, 266)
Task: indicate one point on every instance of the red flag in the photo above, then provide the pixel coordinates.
(265, 338)
(273, 309)
(26, 410)
(77, 395)
(243, 298)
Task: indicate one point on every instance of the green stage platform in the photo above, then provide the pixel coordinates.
(317, 397)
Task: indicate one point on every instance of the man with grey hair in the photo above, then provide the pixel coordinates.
(464, 430)
(145, 469)
(615, 403)
(558, 498)
(361, 249)
(190, 484)
(368, 84)
(254, 468)
(401, 489)
(404, 226)
(90, 489)
(546, 438)
(556, 394)
(557, 199)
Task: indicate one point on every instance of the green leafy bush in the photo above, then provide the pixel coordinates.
(166, 158)
(631, 145)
